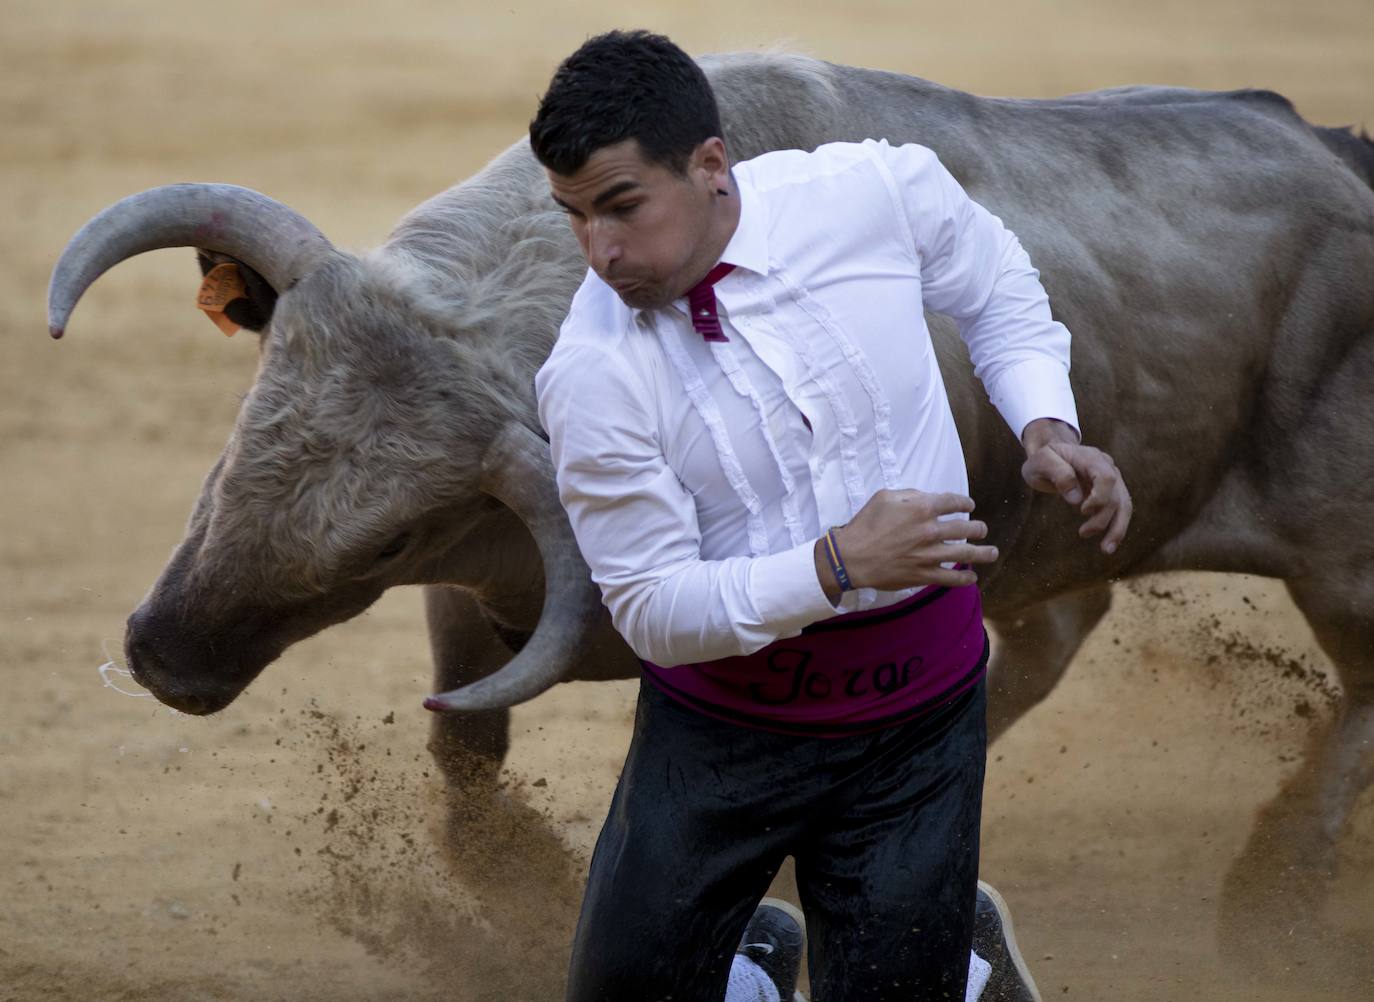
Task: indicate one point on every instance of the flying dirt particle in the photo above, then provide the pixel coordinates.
(238, 868)
(390, 718)
(1166, 595)
(541, 781)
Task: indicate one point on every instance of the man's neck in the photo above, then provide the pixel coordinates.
(725, 211)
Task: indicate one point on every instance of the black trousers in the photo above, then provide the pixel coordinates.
(883, 828)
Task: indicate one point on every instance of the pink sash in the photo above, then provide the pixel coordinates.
(859, 672)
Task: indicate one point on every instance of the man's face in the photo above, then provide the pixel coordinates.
(642, 228)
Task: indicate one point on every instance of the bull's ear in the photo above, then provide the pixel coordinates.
(253, 310)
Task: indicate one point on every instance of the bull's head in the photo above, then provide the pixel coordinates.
(370, 452)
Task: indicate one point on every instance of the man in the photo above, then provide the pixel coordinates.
(757, 456)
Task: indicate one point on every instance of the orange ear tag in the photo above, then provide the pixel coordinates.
(222, 285)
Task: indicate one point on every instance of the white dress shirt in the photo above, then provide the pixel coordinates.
(693, 483)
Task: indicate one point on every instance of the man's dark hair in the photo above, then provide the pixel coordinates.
(624, 85)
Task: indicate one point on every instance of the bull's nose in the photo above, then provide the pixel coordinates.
(143, 659)
(152, 670)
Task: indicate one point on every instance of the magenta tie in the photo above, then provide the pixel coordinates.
(701, 300)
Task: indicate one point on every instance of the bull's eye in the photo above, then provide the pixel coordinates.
(394, 547)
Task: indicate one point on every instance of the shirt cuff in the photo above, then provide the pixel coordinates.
(786, 594)
(1034, 388)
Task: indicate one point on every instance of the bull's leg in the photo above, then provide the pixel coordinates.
(468, 748)
(1035, 648)
(499, 847)
(1283, 872)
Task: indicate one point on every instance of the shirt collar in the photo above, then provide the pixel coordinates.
(748, 246)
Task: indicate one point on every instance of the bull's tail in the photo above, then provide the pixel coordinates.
(1355, 148)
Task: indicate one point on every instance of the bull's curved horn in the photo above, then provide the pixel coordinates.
(277, 242)
(516, 471)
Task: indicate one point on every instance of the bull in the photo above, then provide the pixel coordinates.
(1212, 253)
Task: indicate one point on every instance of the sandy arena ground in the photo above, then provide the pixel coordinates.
(284, 848)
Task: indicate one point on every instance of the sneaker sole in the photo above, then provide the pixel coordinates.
(796, 915)
(1009, 934)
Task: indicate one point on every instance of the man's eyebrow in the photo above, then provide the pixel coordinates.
(612, 192)
(600, 200)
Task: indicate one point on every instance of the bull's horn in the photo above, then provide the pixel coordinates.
(516, 471)
(277, 242)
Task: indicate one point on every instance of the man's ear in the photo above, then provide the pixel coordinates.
(253, 309)
(712, 159)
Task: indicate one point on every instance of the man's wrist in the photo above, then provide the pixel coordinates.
(1045, 431)
(825, 575)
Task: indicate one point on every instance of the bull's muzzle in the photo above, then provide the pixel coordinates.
(189, 671)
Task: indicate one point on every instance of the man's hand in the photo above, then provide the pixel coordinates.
(1083, 476)
(899, 540)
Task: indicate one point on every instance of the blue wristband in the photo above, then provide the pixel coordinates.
(832, 554)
